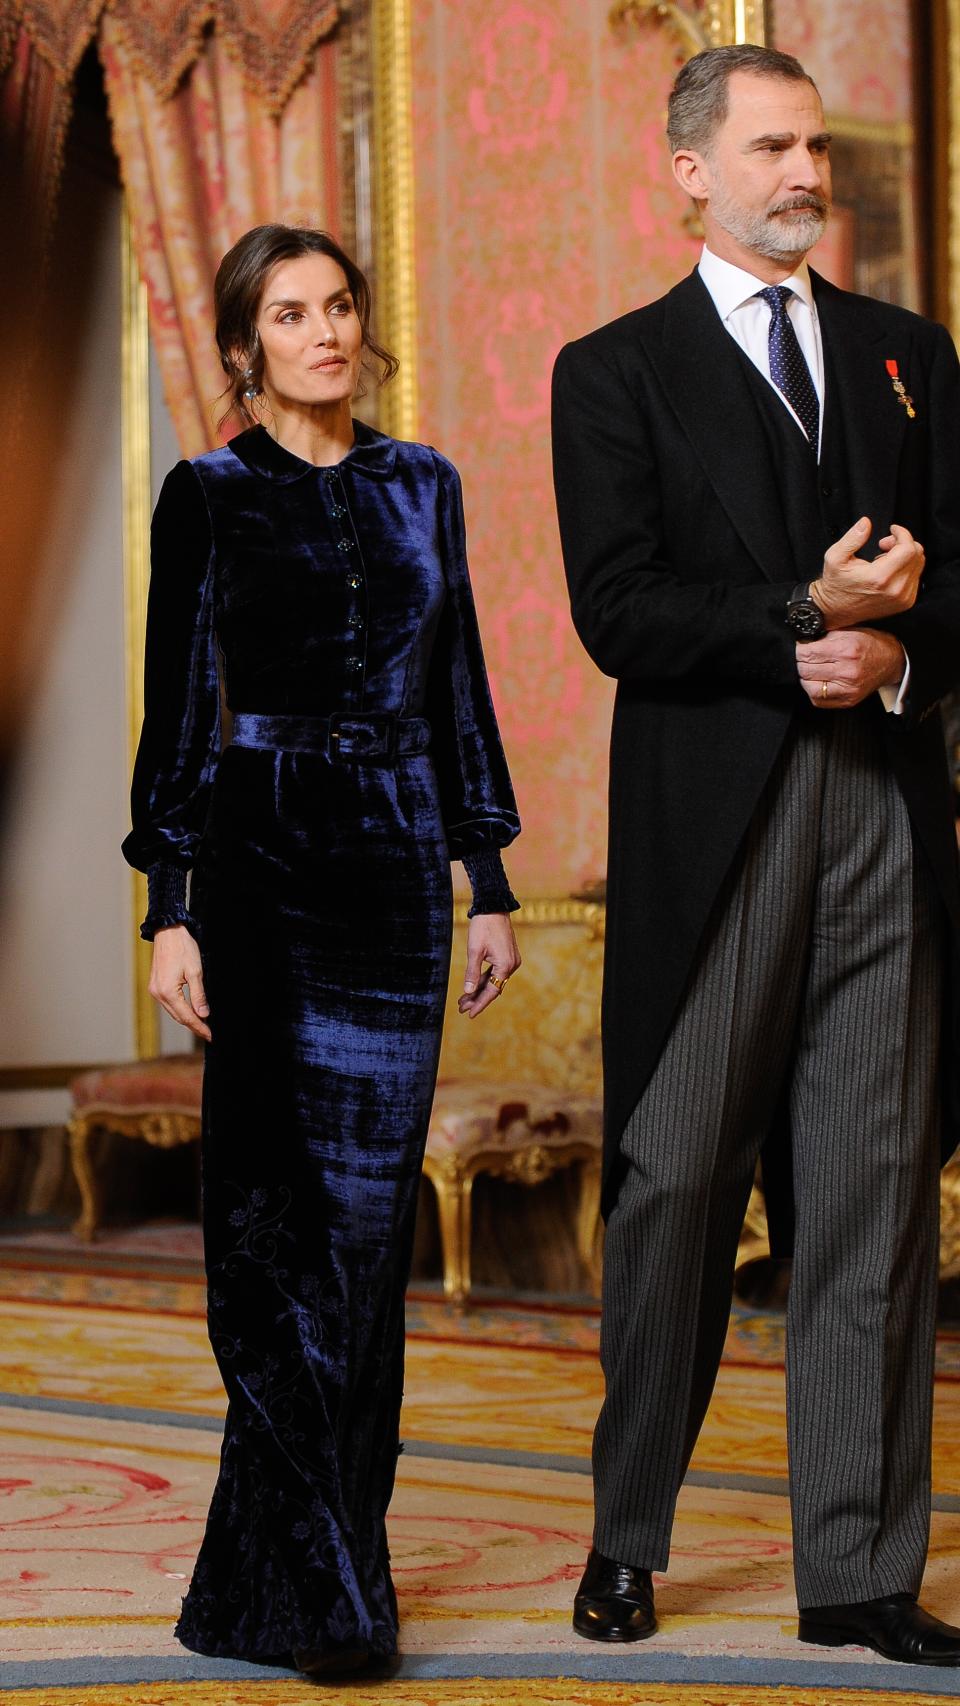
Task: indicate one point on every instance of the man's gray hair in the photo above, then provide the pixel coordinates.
(698, 100)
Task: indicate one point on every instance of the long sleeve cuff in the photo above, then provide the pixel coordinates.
(894, 697)
(488, 881)
(166, 900)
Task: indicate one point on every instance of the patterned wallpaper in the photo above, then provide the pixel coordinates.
(544, 206)
(857, 52)
(860, 54)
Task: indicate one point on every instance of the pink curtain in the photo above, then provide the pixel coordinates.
(34, 114)
(224, 116)
(201, 167)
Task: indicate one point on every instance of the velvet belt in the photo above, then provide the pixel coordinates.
(377, 737)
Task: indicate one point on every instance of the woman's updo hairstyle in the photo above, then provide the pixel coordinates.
(237, 293)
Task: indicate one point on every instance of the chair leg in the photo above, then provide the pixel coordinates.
(85, 1226)
(456, 1281)
(466, 1230)
(588, 1215)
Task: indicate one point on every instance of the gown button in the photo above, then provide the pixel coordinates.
(354, 664)
(344, 544)
(354, 580)
(355, 622)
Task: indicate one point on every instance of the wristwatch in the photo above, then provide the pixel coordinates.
(804, 615)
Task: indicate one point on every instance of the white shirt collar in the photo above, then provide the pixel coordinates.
(731, 287)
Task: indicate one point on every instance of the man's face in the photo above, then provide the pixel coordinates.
(764, 179)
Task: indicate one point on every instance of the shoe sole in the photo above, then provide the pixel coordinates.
(834, 1635)
(614, 1637)
(337, 1665)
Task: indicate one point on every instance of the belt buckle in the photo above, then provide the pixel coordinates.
(382, 727)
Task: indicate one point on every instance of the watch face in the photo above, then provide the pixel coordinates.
(806, 620)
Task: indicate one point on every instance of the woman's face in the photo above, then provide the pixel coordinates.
(311, 335)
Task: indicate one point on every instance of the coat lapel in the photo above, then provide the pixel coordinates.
(701, 371)
(857, 345)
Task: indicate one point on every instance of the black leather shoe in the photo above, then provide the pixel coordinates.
(340, 1661)
(614, 1602)
(897, 1627)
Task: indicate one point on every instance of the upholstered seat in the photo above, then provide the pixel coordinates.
(522, 1132)
(157, 1100)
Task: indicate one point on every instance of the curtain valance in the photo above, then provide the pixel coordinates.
(273, 41)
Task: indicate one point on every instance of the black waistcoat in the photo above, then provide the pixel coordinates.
(817, 511)
(815, 498)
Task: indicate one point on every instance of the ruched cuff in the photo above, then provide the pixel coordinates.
(166, 900)
(488, 881)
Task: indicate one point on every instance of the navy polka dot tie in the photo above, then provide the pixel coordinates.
(788, 369)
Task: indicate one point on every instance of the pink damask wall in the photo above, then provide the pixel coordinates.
(544, 206)
(858, 52)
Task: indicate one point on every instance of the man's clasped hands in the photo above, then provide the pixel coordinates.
(854, 659)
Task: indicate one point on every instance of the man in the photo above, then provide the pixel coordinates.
(745, 470)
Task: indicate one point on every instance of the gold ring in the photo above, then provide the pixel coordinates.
(824, 689)
(498, 982)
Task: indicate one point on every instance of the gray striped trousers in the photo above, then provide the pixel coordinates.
(820, 974)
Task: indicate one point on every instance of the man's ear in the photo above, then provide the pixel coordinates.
(692, 173)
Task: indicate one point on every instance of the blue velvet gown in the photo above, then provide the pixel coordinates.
(336, 605)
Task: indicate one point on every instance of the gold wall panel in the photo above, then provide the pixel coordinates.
(396, 304)
(135, 456)
(546, 1025)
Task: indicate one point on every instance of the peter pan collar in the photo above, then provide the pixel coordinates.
(372, 453)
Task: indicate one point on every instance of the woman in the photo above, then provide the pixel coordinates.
(320, 567)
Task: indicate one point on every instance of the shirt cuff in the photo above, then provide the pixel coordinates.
(895, 697)
(488, 881)
(166, 900)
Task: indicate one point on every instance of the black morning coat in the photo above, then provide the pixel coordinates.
(679, 569)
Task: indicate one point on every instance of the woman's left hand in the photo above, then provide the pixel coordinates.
(489, 938)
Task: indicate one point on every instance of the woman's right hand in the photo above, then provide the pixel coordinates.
(176, 979)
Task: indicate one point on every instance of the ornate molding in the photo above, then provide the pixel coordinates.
(589, 915)
(953, 163)
(135, 478)
(688, 27)
(396, 305)
(713, 23)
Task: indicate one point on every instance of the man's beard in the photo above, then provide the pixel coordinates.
(779, 234)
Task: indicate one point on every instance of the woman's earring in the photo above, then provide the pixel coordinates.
(250, 389)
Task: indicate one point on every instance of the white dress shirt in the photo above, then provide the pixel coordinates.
(747, 318)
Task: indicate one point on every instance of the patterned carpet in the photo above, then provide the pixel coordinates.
(110, 1410)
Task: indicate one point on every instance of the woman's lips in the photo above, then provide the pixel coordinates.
(330, 361)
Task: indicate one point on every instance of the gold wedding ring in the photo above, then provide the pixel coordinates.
(498, 982)
(824, 689)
